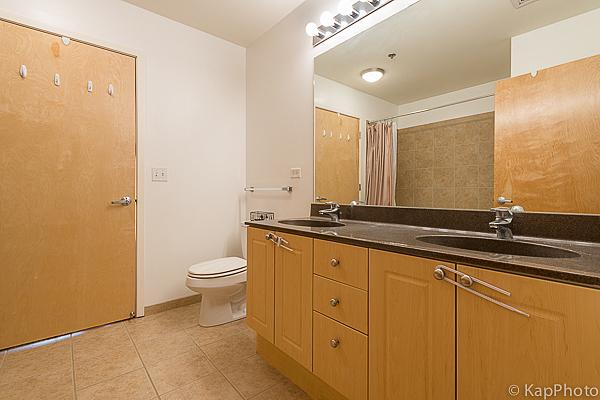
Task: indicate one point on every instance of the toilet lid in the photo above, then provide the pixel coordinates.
(218, 268)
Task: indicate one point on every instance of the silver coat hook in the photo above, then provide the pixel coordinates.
(23, 71)
(57, 79)
(111, 89)
(90, 86)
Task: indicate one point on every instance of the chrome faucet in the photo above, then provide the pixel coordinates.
(504, 217)
(503, 220)
(333, 211)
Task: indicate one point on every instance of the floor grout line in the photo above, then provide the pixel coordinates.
(143, 363)
(73, 368)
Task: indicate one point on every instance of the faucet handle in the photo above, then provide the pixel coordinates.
(503, 200)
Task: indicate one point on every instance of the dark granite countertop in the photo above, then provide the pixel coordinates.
(583, 271)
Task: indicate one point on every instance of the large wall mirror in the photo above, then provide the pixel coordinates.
(455, 116)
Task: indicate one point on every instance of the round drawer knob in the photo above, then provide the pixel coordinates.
(334, 343)
(334, 302)
(334, 262)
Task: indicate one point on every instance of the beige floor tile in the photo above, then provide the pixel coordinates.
(2, 354)
(179, 371)
(209, 387)
(253, 376)
(203, 336)
(283, 391)
(99, 332)
(231, 350)
(164, 347)
(168, 322)
(91, 368)
(131, 386)
(100, 343)
(52, 385)
(19, 365)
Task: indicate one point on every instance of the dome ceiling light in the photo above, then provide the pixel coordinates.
(372, 75)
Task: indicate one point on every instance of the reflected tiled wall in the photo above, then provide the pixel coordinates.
(447, 164)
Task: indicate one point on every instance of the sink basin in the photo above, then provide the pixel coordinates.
(498, 246)
(314, 223)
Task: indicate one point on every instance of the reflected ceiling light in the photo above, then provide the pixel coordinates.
(372, 75)
(312, 29)
(327, 19)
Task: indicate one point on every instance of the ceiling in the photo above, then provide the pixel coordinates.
(238, 21)
(441, 46)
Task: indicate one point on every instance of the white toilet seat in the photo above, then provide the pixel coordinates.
(221, 272)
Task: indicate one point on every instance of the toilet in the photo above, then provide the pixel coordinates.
(222, 284)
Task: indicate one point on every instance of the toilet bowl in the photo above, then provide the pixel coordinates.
(222, 284)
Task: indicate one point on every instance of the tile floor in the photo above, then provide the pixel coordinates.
(165, 356)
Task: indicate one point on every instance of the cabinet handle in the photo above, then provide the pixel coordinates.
(439, 274)
(334, 343)
(281, 242)
(334, 302)
(272, 237)
(334, 262)
(467, 280)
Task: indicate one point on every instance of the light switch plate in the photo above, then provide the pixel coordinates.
(160, 175)
(296, 173)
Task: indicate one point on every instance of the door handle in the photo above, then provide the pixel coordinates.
(123, 201)
(439, 274)
(281, 242)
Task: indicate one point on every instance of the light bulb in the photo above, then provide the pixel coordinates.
(345, 8)
(372, 75)
(327, 19)
(312, 29)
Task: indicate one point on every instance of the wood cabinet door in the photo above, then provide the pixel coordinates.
(260, 306)
(293, 298)
(497, 348)
(411, 329)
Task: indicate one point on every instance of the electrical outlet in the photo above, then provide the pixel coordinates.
(160, 175)
(296, 173)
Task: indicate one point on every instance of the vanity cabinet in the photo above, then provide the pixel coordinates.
(557, 344)
(411, 329)
(260, 306)
(279, 305)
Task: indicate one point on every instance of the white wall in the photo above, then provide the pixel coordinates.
(556, 44)
(280, 112)
(192, 121)
(451, 112)
(338, 97)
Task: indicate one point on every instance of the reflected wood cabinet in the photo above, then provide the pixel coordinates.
(435, 330)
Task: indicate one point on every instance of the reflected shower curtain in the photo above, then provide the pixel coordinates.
(380, 169)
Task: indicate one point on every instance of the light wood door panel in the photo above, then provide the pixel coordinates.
(293, 298)
(497, 348)
(547, 146)
(68, 256)
(343, 367)
(336, 156)
(411, 329)
(261, 284)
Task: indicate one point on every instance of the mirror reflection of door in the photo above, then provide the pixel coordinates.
(336, 156)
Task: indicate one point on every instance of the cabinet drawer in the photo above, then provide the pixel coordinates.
(342, 364)
(341, 302)
(342, 262)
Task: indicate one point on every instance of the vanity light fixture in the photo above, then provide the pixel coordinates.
(348, 12)
(372, 75)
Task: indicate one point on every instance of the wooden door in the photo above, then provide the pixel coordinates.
(411, 329)
(293, 298)
(336, 156)
(260, 306)
(547, 146)
(68, 257)
(497, 348)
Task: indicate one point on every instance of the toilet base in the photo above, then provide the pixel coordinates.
(216, 309)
